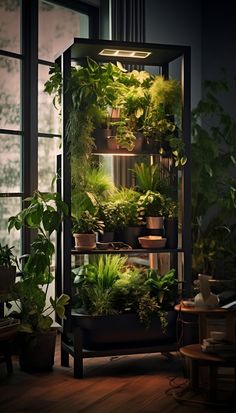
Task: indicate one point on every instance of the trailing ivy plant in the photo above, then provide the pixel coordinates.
(214, 183)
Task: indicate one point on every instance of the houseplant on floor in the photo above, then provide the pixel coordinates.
(43, 214)
(8, 264)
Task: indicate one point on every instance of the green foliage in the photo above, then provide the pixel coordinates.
(43, 213)
(108, 286)
(87, 223)
(213, 183)
(148, 177)
(146, 103)
(7, 258)
(90, 186)
(151, 204)
(108, 214)
(125, 201)
(95, 281)
(170, 208)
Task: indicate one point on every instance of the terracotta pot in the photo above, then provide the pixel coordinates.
(85, 241)
(155, 222)
(114, 147)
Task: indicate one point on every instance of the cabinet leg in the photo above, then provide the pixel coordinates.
(64, 353)
(78, 354)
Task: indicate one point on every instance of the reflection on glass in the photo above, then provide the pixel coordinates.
(10, 93)
(8, 207)
(10, 25)
(58, 26)
(48, 148)
(10, 161)
(48, 116)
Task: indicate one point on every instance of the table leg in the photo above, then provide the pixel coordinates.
(194, 374)
(202, 327)
(212, 382)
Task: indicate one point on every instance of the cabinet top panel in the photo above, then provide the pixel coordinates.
(127, 52)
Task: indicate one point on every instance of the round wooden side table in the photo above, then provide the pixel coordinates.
(205, 313)
(197, 358)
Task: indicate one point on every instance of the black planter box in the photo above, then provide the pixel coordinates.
(123, 331)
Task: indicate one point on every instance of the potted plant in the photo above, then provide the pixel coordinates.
(43, 214)
(7, 268)
(131, 105)
(84, 230)
(129, 223)
(119, 305)
(108, 214)
(151, 205)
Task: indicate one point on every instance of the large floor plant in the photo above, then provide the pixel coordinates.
(43, 214)
(214, 184)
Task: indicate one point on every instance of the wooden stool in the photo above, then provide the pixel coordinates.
(199, 358)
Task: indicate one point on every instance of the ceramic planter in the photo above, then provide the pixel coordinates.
(37, 351)
(113, 146)
(130, 235)
(85, 241)
(155, 222)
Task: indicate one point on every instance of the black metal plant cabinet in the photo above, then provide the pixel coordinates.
(160, 56)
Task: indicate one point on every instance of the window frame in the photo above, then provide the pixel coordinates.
(28, 57)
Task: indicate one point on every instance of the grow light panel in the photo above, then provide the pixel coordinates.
(124, 53)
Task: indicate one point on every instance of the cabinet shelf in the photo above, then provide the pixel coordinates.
(159, 56)
(126, 251)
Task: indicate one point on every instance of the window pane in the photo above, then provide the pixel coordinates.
(8, 207)
(57, 26)
(10, 161)
(10, 25)
(48, 116)
(10, 93)
(48, 150)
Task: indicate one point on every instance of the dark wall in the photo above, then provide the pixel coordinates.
(177, 22)
(219, 44)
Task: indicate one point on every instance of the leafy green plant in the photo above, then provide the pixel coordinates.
(170, 208)
(7, 258)
(148, 178)
(213, 183)
(108, 214)
(151, 204)
(90, 187)
(146, 103)
(107, 285)
(125, 201)
(87, 223)
(43, 213)
(95, 282)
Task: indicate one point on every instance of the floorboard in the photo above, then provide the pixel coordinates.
(132, 384)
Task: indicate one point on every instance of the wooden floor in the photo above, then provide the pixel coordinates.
(125, 384)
